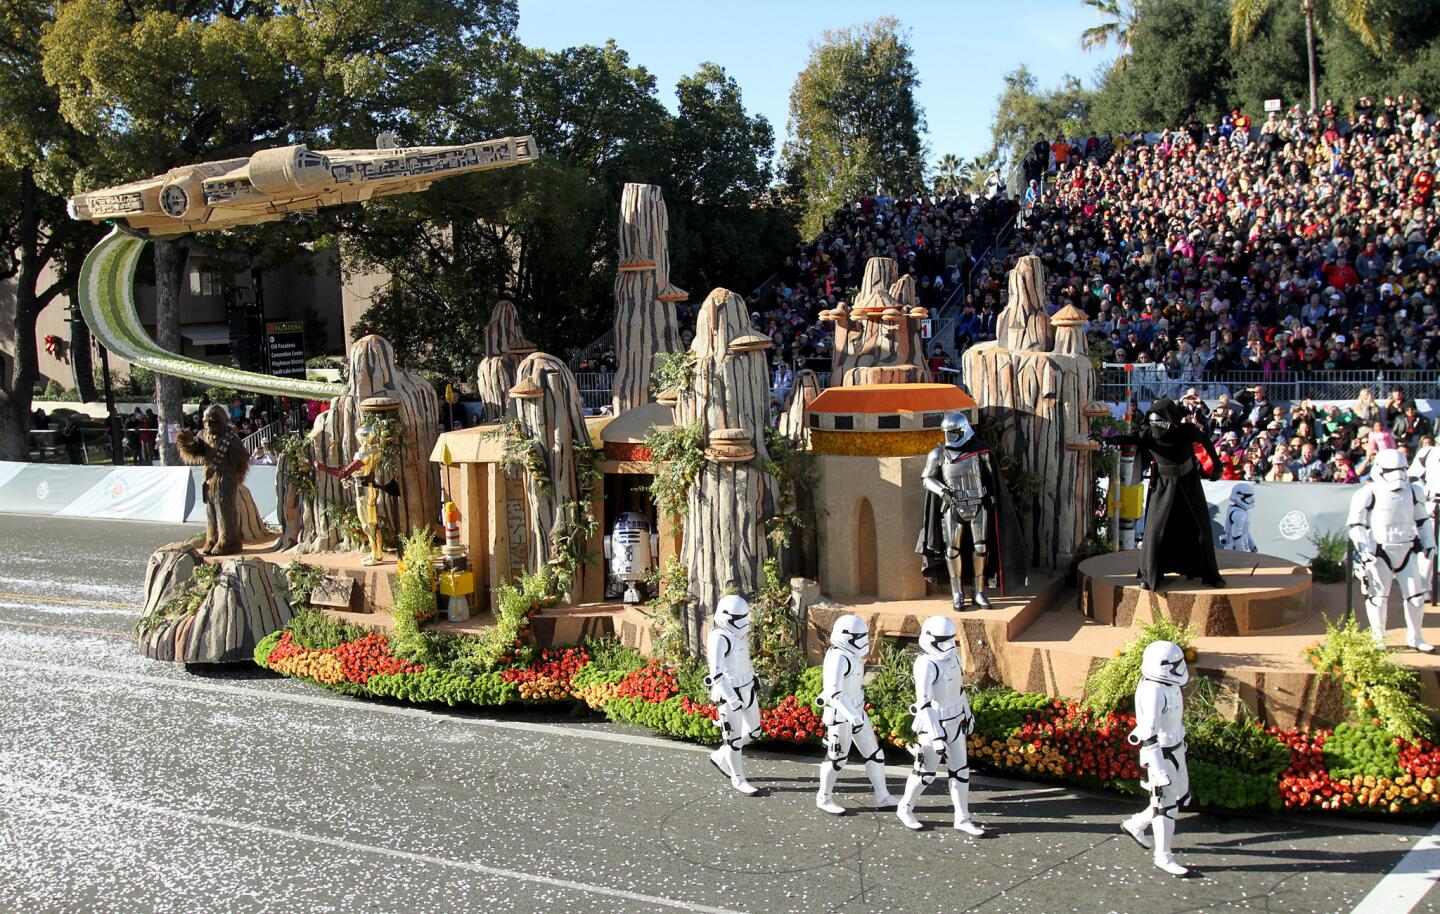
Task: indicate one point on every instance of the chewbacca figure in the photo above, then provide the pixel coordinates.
(222, 452)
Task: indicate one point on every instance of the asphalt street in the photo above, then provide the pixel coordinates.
(131, 786)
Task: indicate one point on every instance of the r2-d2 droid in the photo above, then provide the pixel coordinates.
(631, 549)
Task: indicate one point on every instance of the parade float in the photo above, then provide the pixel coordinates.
(585, 557)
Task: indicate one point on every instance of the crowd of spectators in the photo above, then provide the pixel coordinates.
(1259, 440)
(1309, 243)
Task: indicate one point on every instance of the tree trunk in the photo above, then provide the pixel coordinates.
(81, 361)
(645, 323)
(169, 270)
(1309, 10)
(15, 402)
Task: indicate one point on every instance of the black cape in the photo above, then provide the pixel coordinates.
(1006, 563)
(1178, 536)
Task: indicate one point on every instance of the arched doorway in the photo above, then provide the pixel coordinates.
(866, 578)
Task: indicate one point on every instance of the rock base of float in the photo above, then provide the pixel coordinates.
(248, 602)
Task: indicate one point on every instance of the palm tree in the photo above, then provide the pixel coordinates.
(947, 174)
(1117, 28)
(1364, 17)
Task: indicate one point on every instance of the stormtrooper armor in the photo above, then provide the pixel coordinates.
(942, 722)
(732, 688)
(1426, 470)
(957, 472)
(1160, 734)
(1236, 534)
(845, 719)
(1394, 539)
(631, 549)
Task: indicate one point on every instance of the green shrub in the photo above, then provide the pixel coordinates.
(1328, 564)
(1361, 749)
(265, 647)
(314, 630)
(432, 686)
(1377, 688)
(1000, 710)
(1111, 686)
(667, 717)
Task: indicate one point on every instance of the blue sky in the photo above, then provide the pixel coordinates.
(962, 48)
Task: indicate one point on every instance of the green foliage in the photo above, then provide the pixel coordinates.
(415, 597)
(299, 470)
(808, 686)
(301, 579)
(1227, 785)
(265, 646)
(679, 457)
(1359, 749)
(854, 121)
(576, 523)
(1000, 710)
(776, 655)
(1377, 688)
(674, 371)
(389, 441)
(343, 518)
(793, 469)
(671, 586)
(1328, 564)
(667, 717)
(440, 686)
(1111, 686)
(891, 689)
(184, 603)
(514, 602)
(521, 451)
(1024, 113)
(314, 630)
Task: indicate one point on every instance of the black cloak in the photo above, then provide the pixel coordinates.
(1178, 536)
(1005, 562)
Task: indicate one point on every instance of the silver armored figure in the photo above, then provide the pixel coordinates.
(1236, 529)
(958, 472)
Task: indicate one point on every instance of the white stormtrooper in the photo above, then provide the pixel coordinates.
(845, 719)
(1160, 734)
(631, 549)
(1236, 532)
(732, 688)
(957, 472)
(942, 722)
(1394, 539)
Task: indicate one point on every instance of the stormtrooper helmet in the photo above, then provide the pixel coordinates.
(851, 635)
(937, 638)
(957, 429)
(1164, 661)
(1391, 469)
(1243, 495)
(732, 614)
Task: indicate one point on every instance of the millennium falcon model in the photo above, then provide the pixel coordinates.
(274, 183)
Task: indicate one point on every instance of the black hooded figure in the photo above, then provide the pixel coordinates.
(1177, 518)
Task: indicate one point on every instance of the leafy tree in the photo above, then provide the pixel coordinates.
(40, 248)
(1024, 114)
(948, 174)
(854, 122)
(1179, 67)
(160, 83)
(1120, 18)
(1367, 19)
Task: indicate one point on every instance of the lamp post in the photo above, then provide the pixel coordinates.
(117, 455)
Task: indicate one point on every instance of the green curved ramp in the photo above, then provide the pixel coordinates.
(107, 299)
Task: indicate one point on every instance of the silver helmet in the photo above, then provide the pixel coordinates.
(851, 635)
(957, 428)
(1164, 661)
(732, 614)
(937, 638)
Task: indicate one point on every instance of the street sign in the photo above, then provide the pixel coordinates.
(285, 349)
(1272, 104)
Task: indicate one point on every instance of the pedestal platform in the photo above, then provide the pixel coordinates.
(1262, 594)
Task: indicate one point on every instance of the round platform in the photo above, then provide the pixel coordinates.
(1262, 594)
